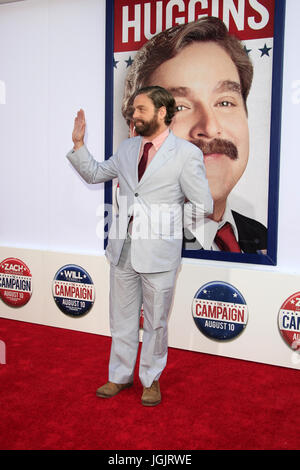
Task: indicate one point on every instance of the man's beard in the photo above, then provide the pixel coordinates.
(217, 146)
(146, 128)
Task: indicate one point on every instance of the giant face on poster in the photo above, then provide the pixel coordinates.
(222, 62)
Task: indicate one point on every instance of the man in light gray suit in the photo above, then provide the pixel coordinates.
(156, 171)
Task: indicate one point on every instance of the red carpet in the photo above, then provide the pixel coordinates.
(48, 401)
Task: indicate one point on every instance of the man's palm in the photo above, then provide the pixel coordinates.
(79, 128)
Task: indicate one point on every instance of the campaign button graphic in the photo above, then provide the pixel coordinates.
(289, 321)
(15, 282)
(219, 311)
(73, 290)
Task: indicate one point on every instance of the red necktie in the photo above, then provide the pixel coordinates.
(144, 159)
(226, 240)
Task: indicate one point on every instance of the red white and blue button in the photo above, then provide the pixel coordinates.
(15, 282)
(289, 321)
(220, 311)
(73, 290)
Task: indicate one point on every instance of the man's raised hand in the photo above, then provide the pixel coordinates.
(79, 130)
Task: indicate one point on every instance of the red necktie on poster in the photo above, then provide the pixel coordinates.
(226, 240)
(144, 159)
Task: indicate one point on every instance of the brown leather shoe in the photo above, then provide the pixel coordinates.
(110, 389)
(151, 395)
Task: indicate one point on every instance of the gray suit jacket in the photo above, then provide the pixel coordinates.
(155, 202)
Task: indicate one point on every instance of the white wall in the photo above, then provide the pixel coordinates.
(52, 64)
(289, 194)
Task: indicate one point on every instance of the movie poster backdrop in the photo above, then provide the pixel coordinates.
(259, 24)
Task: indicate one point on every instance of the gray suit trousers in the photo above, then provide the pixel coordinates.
(129, 290)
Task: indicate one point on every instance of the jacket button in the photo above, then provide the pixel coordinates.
(136, 194)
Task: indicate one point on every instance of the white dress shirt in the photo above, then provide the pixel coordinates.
(206, 230)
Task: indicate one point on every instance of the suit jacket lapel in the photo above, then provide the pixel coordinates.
(130, 161)
(164, 153)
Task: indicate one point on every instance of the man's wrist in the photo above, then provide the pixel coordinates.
(77, 145)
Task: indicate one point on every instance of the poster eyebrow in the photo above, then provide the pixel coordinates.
(229, 85)
(179, 91)
(224, 85)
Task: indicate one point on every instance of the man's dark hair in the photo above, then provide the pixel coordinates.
(167, 44)
(159, 97)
